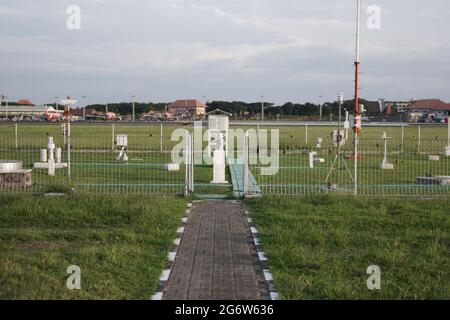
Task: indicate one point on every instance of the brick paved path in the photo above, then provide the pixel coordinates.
(217, 258)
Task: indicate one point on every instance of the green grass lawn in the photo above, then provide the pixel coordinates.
(120, 244)
(149, 135)
(318, 247)
(321, 247)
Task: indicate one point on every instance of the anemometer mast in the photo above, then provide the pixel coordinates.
(357, 125)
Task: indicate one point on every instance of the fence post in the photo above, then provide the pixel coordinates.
(186, 166)
(68, 154)
(403, 137)
(355, 174)
(448, 133)
(189, 167)
(306, 134)
(420, 136)
(15, 134)
(245, 166)
(192, 162)
(112, 138)
(161, 138)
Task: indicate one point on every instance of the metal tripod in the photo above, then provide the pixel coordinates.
(339, 156)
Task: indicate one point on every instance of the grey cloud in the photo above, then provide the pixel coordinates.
(235, 49)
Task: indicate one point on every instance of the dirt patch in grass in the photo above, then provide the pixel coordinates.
(45, 245)
(35, 245)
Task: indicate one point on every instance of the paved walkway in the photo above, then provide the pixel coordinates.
(216, 259)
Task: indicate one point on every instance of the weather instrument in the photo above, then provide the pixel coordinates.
(357, 125)
(122, 144)
(385, 165)
(67, 103)
(339, 138)
(50, 158)
(447, 148)
(218, 127)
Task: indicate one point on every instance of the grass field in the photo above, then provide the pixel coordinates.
(149, 135)
(94, 166)
(318, 247)
(120, 244)
(321, 247)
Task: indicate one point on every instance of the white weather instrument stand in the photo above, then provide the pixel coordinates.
(67, 103)
(385, 165)
(339, 138)
(50, 158)
(122, 144)
(319, 142)
(313, 159)
(219, 164)
(447, 148)
(347, 121)
(218, 127)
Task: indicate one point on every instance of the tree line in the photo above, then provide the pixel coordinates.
(126, 108)
(237, 108)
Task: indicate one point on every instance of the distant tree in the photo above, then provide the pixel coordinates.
(239, 108)
(126, 108)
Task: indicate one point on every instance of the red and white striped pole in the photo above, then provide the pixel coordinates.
(357, 125)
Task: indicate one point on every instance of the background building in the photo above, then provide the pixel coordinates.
(398, 106)
(187, 108)
(428, 110)
(25, 109)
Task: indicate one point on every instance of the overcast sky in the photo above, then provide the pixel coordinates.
(162, 50)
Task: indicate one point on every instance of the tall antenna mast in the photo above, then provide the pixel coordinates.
(357, 125)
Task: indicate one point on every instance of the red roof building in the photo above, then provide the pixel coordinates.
(188, 107)
(24, 102)
(433, 109)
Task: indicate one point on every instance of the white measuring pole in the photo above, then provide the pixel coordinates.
(68, 152)
(357, 115)
(448, 138)
(186, 164)
(161, 138)
(192, 162)
(245, 165)
(189, 164)
(447, 148)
